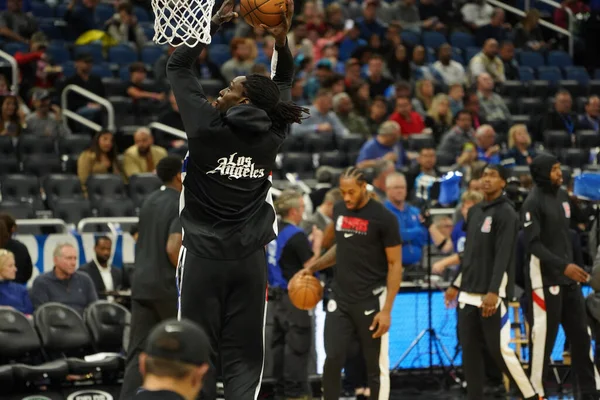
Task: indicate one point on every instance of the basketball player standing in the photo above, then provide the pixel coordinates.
(226, 208)
(366, 281)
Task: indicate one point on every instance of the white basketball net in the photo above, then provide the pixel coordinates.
(180, 22)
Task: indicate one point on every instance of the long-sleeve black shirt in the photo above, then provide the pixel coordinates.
(226, 209)
(488, 262)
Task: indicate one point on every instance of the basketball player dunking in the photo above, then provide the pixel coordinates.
(226, 208)
(367, 278)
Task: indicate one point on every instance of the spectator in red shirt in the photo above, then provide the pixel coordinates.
(561, 18)
(409, 120)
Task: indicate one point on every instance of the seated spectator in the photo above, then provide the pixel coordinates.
(410, 121)
(146, 98)
(377, 115)
(409, 17)
(144, 155)
(496, 29)
(398, 64)
(343, 108)
(452, 72)
(36, 67)
(591, 118)
(386, 145)
(456, 94)
(12, 119)
(439, 117)
(493, 108)
(378, 83)
(380, 172)
(16, 25)
(324, 176)
(487, 61)
(368, 24)
(100, 158)
(124, 27)
(81, 17)
(323, 72)
(414, 234)
(424, 93)
(421, 175)
(64, 284)
(12, 294)
(84, 78)
(561, 118)
(172, 118)
(351, 42)
(487, 149)
(454, 140)
(476, 13)
(359, 93)
(520, 150)
(440, 232)
(106, 278)
(322, 119)
(42, 121)
(528, 33)
(298, 92)
(471, 104)
(469, 166)
(419, 66)
(323, 214)
(511, 66)
(19, 250)
(241, 61)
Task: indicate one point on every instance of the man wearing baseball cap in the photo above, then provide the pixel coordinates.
(174, 362)
(485, 282)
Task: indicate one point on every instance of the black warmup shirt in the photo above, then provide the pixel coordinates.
(227, 212)
(157, 395)
(362, 237)
(489, 255)
(154, 274)
(296, 252)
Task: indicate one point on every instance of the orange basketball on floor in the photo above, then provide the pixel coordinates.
(257, 12)
(305, 292)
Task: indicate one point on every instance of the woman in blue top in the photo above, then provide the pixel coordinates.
(12, 294)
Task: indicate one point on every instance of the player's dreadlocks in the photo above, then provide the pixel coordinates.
(264, 94)
(354, 173)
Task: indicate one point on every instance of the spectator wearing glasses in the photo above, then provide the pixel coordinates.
(561, 118)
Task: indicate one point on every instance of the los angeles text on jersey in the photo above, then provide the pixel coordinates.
(236, 167)
(352, 225)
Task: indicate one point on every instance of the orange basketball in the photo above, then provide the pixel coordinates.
(305, 292)
(266, 12)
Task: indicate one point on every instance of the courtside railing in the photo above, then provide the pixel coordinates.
(168, 129)
(44, 222)
(112, 223)
(14, 87)
(68, 114)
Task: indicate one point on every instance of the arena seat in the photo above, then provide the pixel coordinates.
(531, 106)
(9, 164)
(20, 344)
(106, 323)
(550, 74)
(108, 207)
(462, 40)
(292, 143)
(18, 209)
(151, 53)
(513, 89)
(122, 54)
(22, 188)
(63, 334)
(511, 104)
(417, 142)
(42, 164)
(141, 185)
(62, 186)
(575, 158)
(300, 163)
(333, 158)
(34, 144)
(520, 170)
(74, 144)
(113, 86)
(540, 89)
(352, 142)
(71, 210)
(7, 379)
(105, 186)
(557, 139)
(573, 87)
(318, 142)
(95, 50)
(587, 139)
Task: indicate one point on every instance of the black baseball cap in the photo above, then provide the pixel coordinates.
(182, 341)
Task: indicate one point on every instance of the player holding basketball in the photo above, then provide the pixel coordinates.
(226, 209)
(367, 278)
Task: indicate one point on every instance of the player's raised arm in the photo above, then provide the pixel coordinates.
(196, 112)
(282, 62)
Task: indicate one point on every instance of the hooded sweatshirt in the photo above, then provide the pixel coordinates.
(226, 209)
(546, 217)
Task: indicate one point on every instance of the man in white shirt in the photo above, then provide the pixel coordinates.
(477, 13)
(452, 72)
(106, 278)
